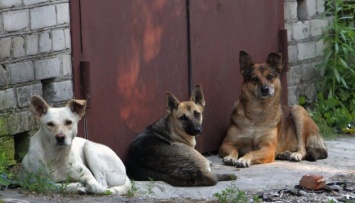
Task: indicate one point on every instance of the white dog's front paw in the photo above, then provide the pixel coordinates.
(229, 160)
(243, 162)
(295, 156)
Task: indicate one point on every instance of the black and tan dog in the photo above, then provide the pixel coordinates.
(260, 129)
(166, 150)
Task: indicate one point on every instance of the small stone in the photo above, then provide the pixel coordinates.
(312, 182)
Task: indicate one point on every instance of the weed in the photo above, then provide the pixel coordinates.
(232, 194)
(336, 101)
(135, 191)
(39, 181)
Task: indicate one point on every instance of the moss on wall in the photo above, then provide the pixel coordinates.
(7, 142)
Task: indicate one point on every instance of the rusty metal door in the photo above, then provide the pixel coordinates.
(128, 53)
(219, 29)
(132, 52)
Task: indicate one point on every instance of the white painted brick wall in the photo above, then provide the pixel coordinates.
(3, 77)
(58, 91)
(58, 40)
(301, 30)
(291, 11)
(21, 122)
(292, 54)
(317, 26)
(306, 9)
(10, 3)
(320, 48)
(16, 20)
(5, 47)
(34, 47)
(25, 93)
(294, 75)
(306, 50)
(45, 43)
(47, 68)
(20, 72)
(7, 98)
(67, 38)
(43, 17)
(63, 13)
(18, 47)
(32, 44)
(31, 2)
(67, 65)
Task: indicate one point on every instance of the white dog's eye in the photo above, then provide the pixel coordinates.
(50, 124)
(68, 122)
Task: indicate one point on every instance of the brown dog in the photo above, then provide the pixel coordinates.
(165, 151)
(260, 129)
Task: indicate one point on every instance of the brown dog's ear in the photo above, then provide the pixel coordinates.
(171, 102)
(39, 106)
(275, 61)
(197, 96)
(245, 62)
(77, 106)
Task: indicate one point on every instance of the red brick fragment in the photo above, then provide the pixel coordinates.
(312, 182)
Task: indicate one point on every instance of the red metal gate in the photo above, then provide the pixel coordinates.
(128, 53)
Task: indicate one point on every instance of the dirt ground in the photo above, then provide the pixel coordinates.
(274, 182)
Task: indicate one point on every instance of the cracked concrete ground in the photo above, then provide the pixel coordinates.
(255, 179)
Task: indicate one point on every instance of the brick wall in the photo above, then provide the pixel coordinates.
(305, 25)
(35, 59)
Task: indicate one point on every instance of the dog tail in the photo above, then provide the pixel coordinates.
(122, 189)
(316, 148)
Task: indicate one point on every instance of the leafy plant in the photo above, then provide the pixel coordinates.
(39, 181)
(231, 194)
(336, 101)
(135, 191)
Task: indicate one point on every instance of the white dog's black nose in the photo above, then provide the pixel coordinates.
(60, 137)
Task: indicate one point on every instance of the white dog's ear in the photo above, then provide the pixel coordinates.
(77, 106)
(39, 106)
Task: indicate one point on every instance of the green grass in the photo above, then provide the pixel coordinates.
(232, 194)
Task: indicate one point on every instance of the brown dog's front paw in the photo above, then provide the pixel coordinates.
(228, 160)
(243, 163)
(296, 157)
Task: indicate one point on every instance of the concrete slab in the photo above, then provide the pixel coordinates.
(257, 178)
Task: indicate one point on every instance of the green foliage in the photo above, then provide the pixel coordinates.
(39, 181)
(135, 191)
(5, 175)
(337, 108)
(232, 194)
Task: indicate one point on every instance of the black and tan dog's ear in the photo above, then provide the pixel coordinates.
(245, 62)
(197, 96)
(77, 106)
(171, 102)
(39, 106)
(275, 61)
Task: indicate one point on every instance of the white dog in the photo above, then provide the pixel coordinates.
(92, 167)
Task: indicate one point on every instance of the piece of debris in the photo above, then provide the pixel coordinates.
(312, 182)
